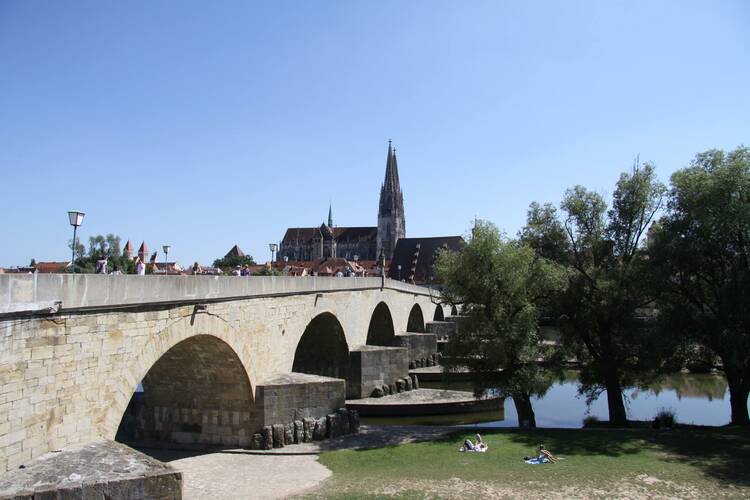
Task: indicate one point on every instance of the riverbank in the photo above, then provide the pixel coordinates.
(633, 463)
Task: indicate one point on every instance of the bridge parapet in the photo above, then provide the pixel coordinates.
(27, 293)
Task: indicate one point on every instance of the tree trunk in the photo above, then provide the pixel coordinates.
(526, 417)
(739, 388)
(615, 404)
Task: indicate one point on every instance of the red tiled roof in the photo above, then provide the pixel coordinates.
(51, 267)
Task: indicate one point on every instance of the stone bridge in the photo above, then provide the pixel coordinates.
(218, 357)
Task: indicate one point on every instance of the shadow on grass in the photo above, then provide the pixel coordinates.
(722, 453)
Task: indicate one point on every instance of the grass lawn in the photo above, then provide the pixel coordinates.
(684, 463)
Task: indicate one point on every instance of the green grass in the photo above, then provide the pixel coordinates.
(705, 461)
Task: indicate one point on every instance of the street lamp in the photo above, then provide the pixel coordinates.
(166, 249)
(273, 247)
(76, 219)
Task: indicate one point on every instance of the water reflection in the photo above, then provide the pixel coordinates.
(700, 399)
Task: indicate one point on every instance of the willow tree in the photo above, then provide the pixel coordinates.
(501, 284)
(600, 310)
(700, 249)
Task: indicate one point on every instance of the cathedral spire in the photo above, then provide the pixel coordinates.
(391, 220)
(330, 215)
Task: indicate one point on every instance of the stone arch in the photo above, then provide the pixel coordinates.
(122, 388)
(196, 392)
(322, 349)
(454, 310)
(381, 331)
(416, 320)
(438, 316)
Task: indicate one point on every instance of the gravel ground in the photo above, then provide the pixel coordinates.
(279, 473)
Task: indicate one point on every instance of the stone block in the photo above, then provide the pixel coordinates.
(392, 388)
(344, 419)
(407, 383)
(267, 437)
(400, 385)
(321, 429)
(386, 390)
(278, 435)
(308, 429)
(353, 421)
(414, 381)
(289, 433)
(257, 443)
(377, 393)
(333, 423)
(299, 432)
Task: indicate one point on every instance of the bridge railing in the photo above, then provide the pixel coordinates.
(30, 293)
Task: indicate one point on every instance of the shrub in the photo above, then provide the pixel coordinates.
(590, 421)
(665, 418)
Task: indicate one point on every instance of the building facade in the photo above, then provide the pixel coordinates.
(353, 243)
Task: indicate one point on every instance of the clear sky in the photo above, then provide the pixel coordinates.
(205, 124)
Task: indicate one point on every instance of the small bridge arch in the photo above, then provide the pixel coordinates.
(322, 349)
(380, 330)
(415, 322)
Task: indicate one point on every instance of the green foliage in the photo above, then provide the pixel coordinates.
(699, 251)
(100, 247)
(544, 233)
(229, 263)
(600, 308)
(268, 271)
(500, 283)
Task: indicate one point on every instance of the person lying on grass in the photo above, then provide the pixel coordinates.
(480, 447)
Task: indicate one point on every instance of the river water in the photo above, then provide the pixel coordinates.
(701, 399)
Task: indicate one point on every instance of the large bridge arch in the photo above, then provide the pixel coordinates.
(380, 331)
(222, 340)
(322, 349)
(196, 392)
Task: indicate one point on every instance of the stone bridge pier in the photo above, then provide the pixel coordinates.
(218, 358)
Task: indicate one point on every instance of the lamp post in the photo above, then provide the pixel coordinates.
(273, 247)
(76, 219)
(166, 249)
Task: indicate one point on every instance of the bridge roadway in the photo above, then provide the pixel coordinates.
(218, 357)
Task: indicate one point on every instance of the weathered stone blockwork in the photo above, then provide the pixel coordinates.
(297, 396)
(419, 345)
(99, 471)
(372, 367)
(67, 377)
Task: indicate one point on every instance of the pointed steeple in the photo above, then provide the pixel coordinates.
(330, 215)
(391, 220)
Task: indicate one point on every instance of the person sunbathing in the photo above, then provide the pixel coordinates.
(544, 453)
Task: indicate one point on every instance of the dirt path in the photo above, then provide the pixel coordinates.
(279, 473)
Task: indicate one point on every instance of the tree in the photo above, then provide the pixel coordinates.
(230, 262)
(599, 310)
(500, 284)
(700, 251)
(101, 246)
(268, 271)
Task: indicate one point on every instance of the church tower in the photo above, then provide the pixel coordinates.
(391, 220)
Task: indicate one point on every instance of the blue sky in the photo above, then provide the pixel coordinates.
(205, 124)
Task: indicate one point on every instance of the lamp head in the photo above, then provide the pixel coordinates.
(76, 217)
